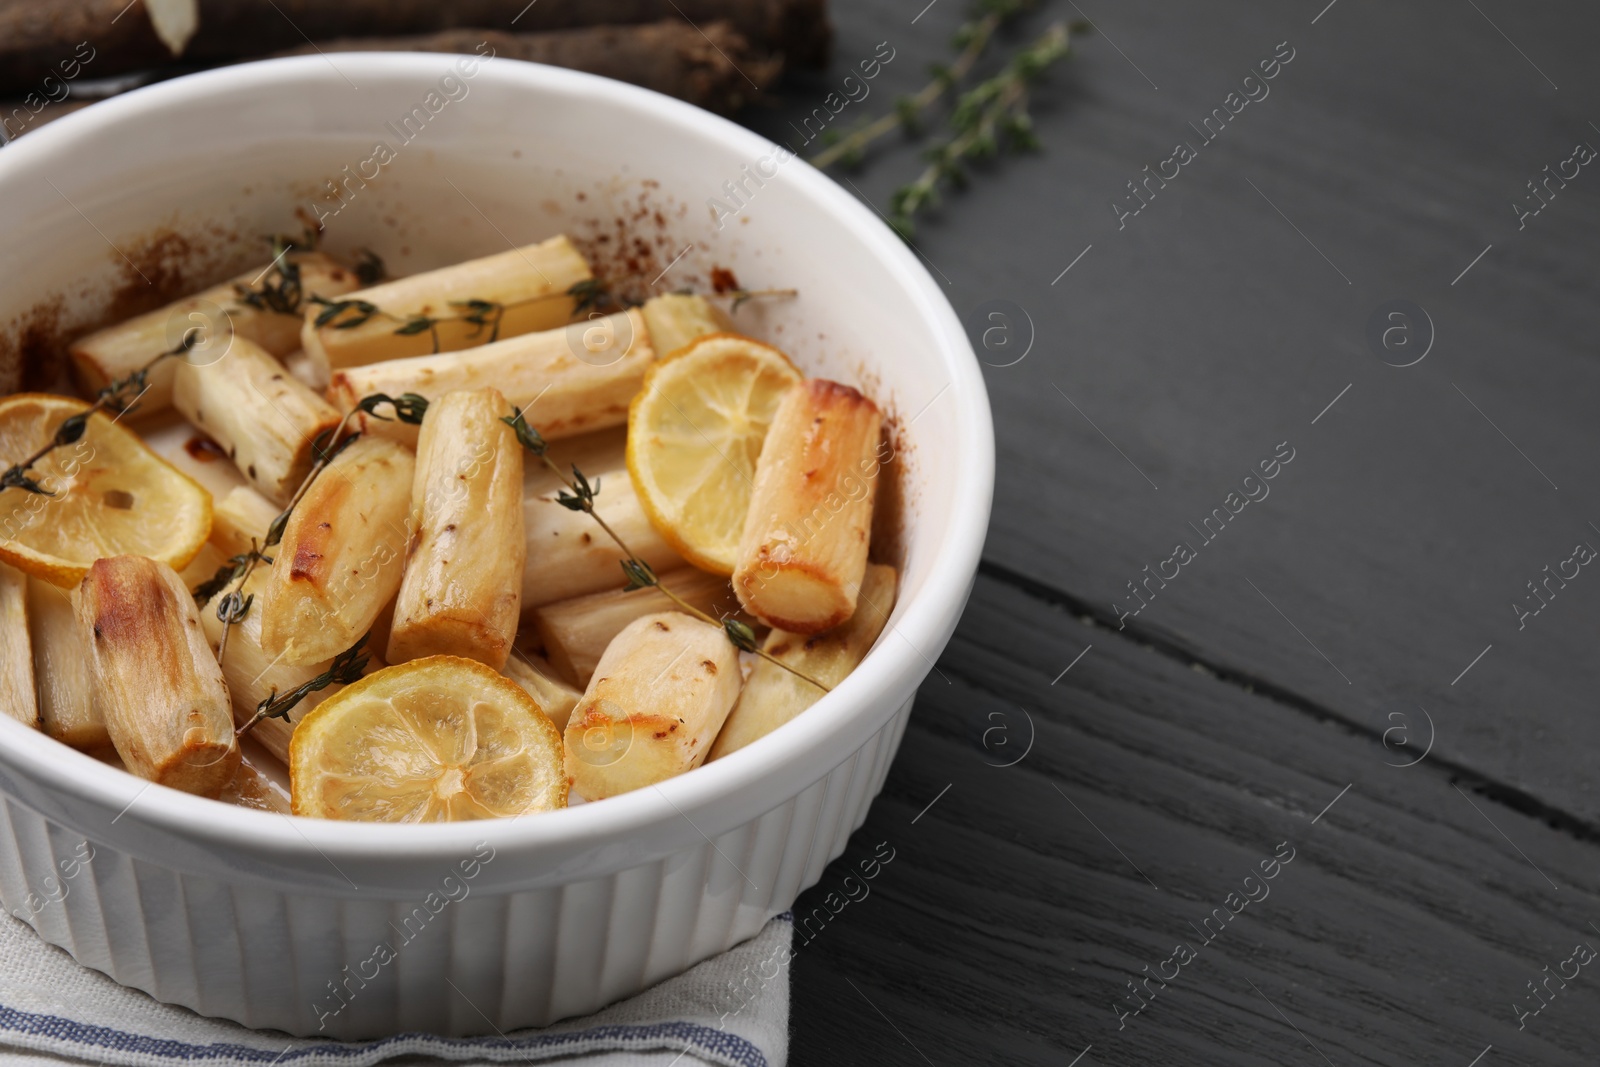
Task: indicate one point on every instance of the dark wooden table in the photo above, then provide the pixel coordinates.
(1347, 665)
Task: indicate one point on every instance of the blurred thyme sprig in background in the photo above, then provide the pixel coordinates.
(972, 38)
(985, 120)
(988, 118)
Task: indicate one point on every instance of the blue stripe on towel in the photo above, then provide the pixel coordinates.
(694, 1035)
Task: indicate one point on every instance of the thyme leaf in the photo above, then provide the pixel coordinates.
(479, 314)
(640, 574)
(743, 638)
(582, 494)
(369, 268)
(333, 309)
(408, 407)
(17, 478)
(591, 294)
(527, 436)
(234, 607)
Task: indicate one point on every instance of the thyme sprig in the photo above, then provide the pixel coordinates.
(235, 606)
(347, 314)
(345, 669)
(579, 494)
(121, 396)
(482, 314)
(589, 296)
(986, 119)
(280, 288)
(972, 38)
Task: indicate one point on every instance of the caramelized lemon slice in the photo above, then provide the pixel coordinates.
(439, 739)
(694, 432)
(112, 495)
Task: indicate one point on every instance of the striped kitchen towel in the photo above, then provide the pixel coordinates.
(731, 1011)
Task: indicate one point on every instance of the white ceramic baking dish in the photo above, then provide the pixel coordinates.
(276, 922)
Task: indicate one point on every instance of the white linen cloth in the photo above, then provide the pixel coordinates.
(731, 1011)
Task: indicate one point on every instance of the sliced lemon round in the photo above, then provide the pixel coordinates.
(112, 496)
(438, 739)
(694, 433)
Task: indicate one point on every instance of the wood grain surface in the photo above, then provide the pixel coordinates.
(1019, 905)
(1361, 610)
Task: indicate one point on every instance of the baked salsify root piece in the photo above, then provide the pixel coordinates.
(581, 377)
(806, 534)
(165, 702)
(553, 694)
(568, 556)
(17, 694)
(67, 708)
(118, 351)
(240, 520)
(257, 678)
(462, 590)
(657, 699)
(478, 302)
(677, 319)
(772, 696)
(266, 421)
(342, 553)
(575, 633)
